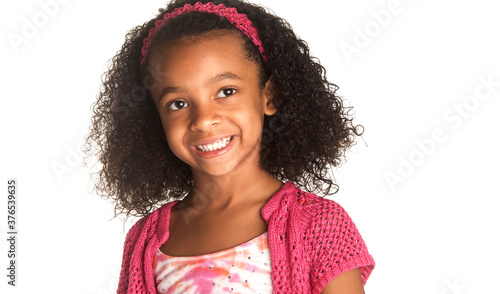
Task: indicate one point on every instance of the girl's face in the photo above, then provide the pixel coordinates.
(210, 103)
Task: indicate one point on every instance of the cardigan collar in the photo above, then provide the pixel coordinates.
(266, 211)
(273, 203)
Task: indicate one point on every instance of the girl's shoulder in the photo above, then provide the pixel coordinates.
(322, 230)
(302, 202)
(309, 214)
(154, 222)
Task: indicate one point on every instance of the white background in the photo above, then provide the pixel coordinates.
(433, 229)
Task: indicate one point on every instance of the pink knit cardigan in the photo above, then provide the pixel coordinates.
(311, 240)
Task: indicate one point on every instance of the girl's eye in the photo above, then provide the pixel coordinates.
(176, 105)
(226, 92)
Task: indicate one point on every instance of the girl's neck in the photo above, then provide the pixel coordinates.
(229, 191)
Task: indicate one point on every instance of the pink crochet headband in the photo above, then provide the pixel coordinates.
(241, 21)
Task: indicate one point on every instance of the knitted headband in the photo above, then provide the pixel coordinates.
(241, 22)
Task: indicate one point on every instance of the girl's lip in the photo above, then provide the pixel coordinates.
(210, 141)
(215, 153)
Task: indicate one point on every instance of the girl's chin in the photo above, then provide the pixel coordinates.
(214, 170)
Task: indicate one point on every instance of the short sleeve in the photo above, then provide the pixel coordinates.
(336, 246)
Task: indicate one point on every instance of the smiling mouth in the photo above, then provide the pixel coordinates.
(219, 144)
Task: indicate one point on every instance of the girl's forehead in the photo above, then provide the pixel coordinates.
(210, 35)
(190, 63)
(222, 35)
(226, 49)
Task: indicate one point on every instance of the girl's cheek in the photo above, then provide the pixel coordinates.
(174, 135)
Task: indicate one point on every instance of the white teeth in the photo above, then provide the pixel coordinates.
(219, 144)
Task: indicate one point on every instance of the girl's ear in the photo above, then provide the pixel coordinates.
(268, 95)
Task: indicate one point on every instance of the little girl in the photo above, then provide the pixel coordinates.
(212, 121)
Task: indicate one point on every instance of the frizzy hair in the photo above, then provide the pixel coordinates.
(308, 135)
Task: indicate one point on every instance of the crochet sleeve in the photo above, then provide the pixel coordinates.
(336, 246)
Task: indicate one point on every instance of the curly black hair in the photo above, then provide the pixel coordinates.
(307, 136)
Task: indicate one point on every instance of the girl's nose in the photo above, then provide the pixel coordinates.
(204, 118)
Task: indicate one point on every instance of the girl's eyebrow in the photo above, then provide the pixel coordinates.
(222, 76)
(169, 90)
(209, 82)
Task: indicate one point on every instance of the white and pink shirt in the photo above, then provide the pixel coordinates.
(245, 268)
